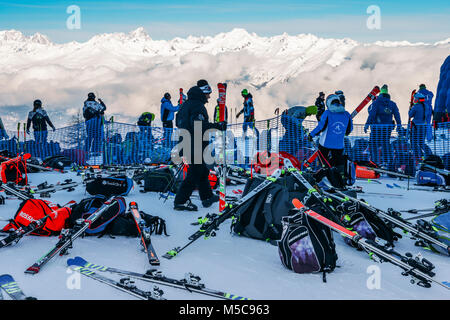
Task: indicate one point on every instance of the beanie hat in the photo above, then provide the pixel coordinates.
(204, 86)
(384, 89)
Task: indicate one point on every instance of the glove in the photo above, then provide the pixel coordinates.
(366, 128)
(222, 126)
(54, 129)
(310, 138)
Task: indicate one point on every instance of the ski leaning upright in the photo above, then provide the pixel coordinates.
(11, 287)
(211, 222)
(190, 283)
(125, 284)
(68, 236)
(417, 276)
(223, 174)
(144, 233)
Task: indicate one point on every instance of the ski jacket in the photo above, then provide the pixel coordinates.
(428, 102)
(217, 114)
(419, 113)
(382, 110)
(334, 125)
(93, 109)
(168, 110)
(442, 102)
(39, 119)
(248, 110)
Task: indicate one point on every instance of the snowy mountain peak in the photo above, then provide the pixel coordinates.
(12, 35)
(140, 34)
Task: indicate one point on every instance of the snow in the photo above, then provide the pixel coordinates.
(230, 263)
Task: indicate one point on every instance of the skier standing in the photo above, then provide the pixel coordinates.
(93, 113)
(217, 113)
(145, 124)
(419, 115)
(3, 134)
(320, 104)
(167, 115)
(191, 112)
(429, 105)
(39, 118)
(380, 121)
(334, 125)
(249, 112)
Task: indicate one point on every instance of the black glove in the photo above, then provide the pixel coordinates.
(222, 126)
(310, 138)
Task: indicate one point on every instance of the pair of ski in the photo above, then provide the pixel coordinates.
(11, 287)
(411, 267)
(190, 283)
(11, 189)
(211, 222)
(423, 188)
(370, 97)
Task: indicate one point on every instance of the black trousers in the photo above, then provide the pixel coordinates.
(333, 156)
(197, 177)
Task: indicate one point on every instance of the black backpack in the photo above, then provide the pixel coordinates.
(158, 180)
(260, 218)
(109, 186)
(306, 246)
(57, 162)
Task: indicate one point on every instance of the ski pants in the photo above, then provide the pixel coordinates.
(197, 176)
(94, 131)
(418, 134)
(380, 137)
(40, 136)
(168, 129)
(333, 156)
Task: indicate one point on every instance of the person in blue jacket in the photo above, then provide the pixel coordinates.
(380, 121)
(93, 113)
(249, 112)
(419, 115)
(442, 102)
(335, 123)
(167, 116)
(429, 105)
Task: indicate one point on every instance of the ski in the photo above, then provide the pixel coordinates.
(393, 173)
(370, 97)
(10, 188)
(190, 283)
(21, 232)
(440, 171)
(211, 223)
(144, 233)
(426, 235)
(410, 266)
(45, 189)
(27, 156)
(11, 287)
(68, 236)
(124, 284)
(424, 188)
(222, 87)
(181, 97)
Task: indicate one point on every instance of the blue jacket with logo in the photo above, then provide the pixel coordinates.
(167, 110)
(335, 123)
(382, 110)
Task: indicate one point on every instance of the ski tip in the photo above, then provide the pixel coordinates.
(389, 186)
(33, 270)
(297, 203)
(77, 261)
(155, 263)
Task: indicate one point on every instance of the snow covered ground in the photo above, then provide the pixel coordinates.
(230, 263)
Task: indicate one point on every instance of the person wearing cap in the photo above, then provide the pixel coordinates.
(249, 112)
(334, 125)
(39, 118)
(93, 113)
(191, 112)
(429, 105)
(419, 114)
(380, 121)
(320, 104)
(341, 96)
(167, 115)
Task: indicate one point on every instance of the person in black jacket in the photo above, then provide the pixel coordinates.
(93, 113)
(39, 118)
(191, 112)
(320, 104)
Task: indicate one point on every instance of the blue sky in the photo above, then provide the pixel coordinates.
(411, 20)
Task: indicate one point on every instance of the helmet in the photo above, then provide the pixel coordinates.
(422, 86)
(37, 103)
(167, 96)
(204, 86)
(244, 92)
(384, 89)
(91, 95)
(321, 94)
(339, 92)
(333, 99)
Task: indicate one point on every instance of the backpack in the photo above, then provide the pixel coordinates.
(159, 179)
(36, 209)
(429, 178)
(109, 186)
(14, 170)
(306, 246)
(260, 217)
(88, 206)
